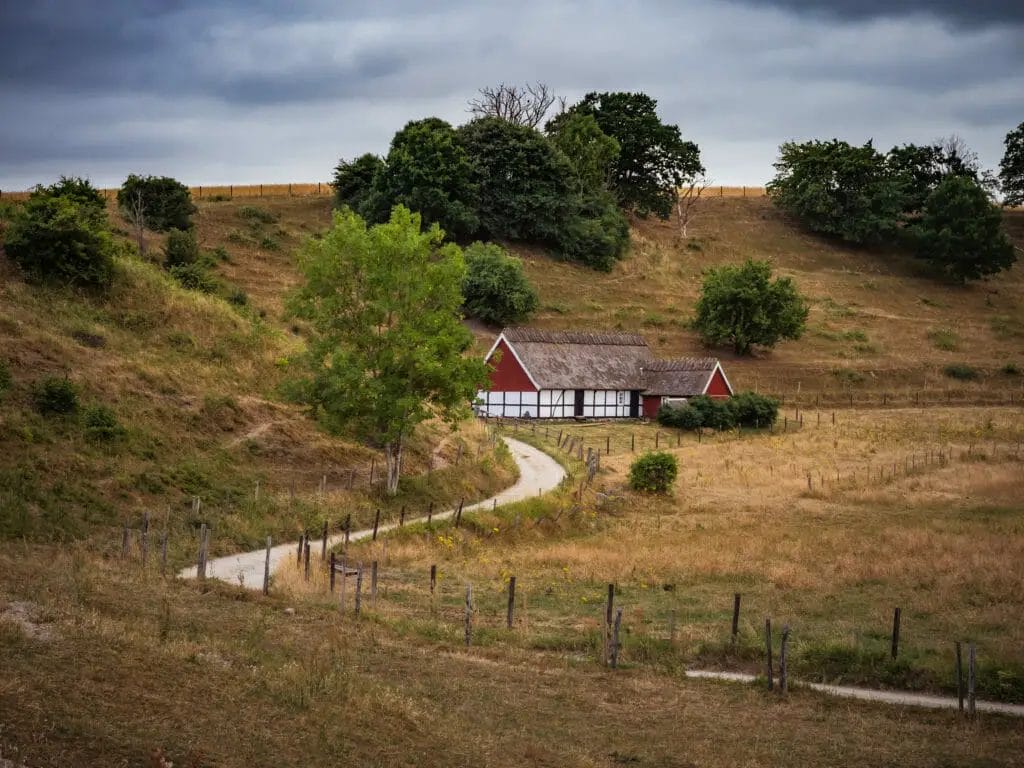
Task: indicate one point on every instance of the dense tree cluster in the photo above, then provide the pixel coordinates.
(1011, 168)
(161, 202)
(934, 199)
(745, 409)
(499, 177)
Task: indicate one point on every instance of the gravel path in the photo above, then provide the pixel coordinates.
(869, 694)
(538, 473)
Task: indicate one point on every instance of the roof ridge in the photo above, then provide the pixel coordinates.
(682, 364)
(606, 338)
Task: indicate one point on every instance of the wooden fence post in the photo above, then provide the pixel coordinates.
(735, 617)
(895, 632)
(359, 588)
(163, 553)
(768, 651)
(298, 555)
(959, 677)
(376, 524)
(401, 517)
(469, 614)
(306, 558)
(615, 638)
(332, 572)
(266, 570)
(971, 678)
(323, 545)
(632, 442)
(783, 683)
(373, 465)
(430, 512)
(433, 578)
(373, 584)
(511, 600)
(607, 445)
(458, 514)
(608, 622)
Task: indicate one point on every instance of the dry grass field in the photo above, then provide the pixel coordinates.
(823, 525)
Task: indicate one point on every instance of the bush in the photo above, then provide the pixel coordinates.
(101, 425)
(61, 240)
(753, 410)
(167, 203)
(495, 289)
(714, 413)
(256, 216)
(56, 396)
(680, 417)
(195, 277)
(653, 472)
(597, 235)
(961, 372)
(80, 191)
(1010, 369)
(181, 249)
(237, 297)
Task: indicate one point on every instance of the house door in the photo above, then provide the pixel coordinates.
(578, 404)
(634, 404)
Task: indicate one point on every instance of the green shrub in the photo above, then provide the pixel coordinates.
(1010, 369)
(181, 249)
(653, 472)
(495, 289)
(680, 417)
(596, 234)
(753, 410)
(238, 297)
(961, 372)
(220, 253)
(195, 277)
(101, 425)
(256, 216)
(166, 203)
(269, 244)
(58, 239)
(56, 396)
(714, 412)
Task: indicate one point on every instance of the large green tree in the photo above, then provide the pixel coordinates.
(164, 203)
(353, 183)
(961, 232)
(1011, 167)
(524, 184)
(838, 189)
(387, 349)
(654, 160)
(591, 151)
(742, 306)
(428, 170)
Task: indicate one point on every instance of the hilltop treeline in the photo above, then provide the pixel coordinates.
(498, 176)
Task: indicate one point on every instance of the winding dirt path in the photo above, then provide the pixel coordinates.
(538, 473)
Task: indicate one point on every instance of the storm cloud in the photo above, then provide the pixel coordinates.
(232, 91)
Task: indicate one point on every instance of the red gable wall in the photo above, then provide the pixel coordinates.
(717, 386)
(508, 375)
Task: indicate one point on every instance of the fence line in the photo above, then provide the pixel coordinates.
(324, 189)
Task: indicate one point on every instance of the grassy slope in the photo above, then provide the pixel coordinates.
(195, 382)
(870, 312)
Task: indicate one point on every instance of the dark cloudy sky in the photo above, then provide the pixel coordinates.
(258, 91)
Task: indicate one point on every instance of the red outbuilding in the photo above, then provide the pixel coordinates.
(565, 374)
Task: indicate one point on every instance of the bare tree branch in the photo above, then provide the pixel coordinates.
(136, 215)
(521, 105)
(687, 200)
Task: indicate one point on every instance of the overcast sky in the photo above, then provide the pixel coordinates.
(248, 91)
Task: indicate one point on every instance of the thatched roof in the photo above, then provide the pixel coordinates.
(570, 360)
(685, 377)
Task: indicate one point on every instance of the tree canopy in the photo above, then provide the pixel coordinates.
(166, 202)
(742, 306)
(386, 348)
(353, 183)
(1011, 167)
(590, 150)
(960, 231)
(495, 289)
(653, 159)
(428, 171)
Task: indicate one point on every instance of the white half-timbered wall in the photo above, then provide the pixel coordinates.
(554, 404)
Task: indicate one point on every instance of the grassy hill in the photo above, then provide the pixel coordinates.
(195, 382)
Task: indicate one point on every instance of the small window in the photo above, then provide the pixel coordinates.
(621, 398)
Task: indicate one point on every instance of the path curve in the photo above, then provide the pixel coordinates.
(538, 473)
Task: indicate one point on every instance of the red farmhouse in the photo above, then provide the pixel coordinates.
(564, 375)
